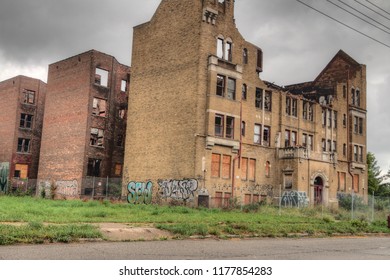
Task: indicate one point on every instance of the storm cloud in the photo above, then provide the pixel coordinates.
(297, 41)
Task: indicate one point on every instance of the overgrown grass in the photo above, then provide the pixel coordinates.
(65, 217)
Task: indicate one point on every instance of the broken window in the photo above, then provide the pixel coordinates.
(93, 169)
(122, 113)
(215, 165)
(220, 46)
(231, 89)
(294, 109)
(259, 98)
(310, 142)
(230, 127)
(244, 92)
(323, 116)
(221, 85)
(229, 51)
(124, 86)
(243, 128)
(24, 145)
(268, 101)
(287, 139)
(293, 138)
(329, 114)
(257, 134)
(29, 96)
(308, 113)
(334, 119)
(259, 60)
(26, 121)
(97, 137)
(101, 77)
(99, 107)
(266, 136)
(219, 124)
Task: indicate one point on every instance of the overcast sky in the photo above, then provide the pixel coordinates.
(297, 41)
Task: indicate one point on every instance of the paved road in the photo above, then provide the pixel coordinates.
(359, 248)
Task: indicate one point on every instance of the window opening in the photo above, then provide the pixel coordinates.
(97, 137)
(101, 77)
(26, 121)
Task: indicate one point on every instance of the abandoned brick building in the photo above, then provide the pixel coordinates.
(205, 128)
(84, 124)
(21, 114)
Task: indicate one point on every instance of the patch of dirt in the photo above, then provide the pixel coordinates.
(126, 232)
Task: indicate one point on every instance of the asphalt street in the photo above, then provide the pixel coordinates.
(351, 248)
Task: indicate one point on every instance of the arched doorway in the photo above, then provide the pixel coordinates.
(318, 190)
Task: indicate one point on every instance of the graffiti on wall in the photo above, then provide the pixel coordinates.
(178, 189)
(67, 188)
(140, 192)
(263, 190)
(294, 199)
(4, 173)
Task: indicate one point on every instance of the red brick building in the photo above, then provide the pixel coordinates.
(85, 120)
(21, 115)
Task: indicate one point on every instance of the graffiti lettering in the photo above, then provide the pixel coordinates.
(178, 189)
(4, 172)
(140, 193)
(294, 199)
(67, 188)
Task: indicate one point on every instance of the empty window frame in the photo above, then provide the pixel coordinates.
(266, 136)
(288, 181)
(308, 111)
(99, 107)
(26, 121)
(355, 97)
(97, 137)
(220, 48)
(221, 82)
(259, 98)
(287, 136)
(93, 169)
(344, 91)
(268, 100)
(231, 89)
(29, 97)
(291, 106)
(244, 92)
(24, 145)
(243, 128)
(101, 77)
(229, 51)
(257, 134)
(219, 125)
(259, 65)
(229, 127)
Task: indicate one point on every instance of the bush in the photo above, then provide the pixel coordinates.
(345, 201)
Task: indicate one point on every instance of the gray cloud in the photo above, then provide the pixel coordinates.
(297, 41)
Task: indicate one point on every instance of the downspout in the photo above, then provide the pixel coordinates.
(239, 153)
(349, 158)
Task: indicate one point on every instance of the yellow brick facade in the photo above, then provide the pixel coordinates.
(204, 128)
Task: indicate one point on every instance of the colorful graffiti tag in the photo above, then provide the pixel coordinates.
(140, 192)
(4, 173)
(178, 189)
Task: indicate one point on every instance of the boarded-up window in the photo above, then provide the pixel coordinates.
(218, 199)
(252, 169)
(215, 165)
(356, 183)
(226, 199)
(21, 171)
(256, 198)
(342, 181)
(226, 166)
(288, 181)
(244, 169)
(118, 169)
